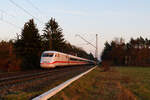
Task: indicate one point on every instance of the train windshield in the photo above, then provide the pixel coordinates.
(48, 55)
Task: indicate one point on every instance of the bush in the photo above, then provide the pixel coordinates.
(106, 65)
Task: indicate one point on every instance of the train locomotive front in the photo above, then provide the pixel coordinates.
(47, 59)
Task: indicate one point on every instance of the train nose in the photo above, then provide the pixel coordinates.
(46, 63)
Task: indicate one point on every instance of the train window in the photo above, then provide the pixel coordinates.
(57, 55)
(47, 55)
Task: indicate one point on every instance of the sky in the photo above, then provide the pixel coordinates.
(107, 18)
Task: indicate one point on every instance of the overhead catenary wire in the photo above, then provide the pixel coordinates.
(4, 12)
(96, 47)
(91, 40)
(23, 9)
(86, 40)
(10, 23)
(35, 7)
(5, 21)
(3, 15)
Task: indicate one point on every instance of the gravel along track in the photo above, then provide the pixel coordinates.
(52, 74)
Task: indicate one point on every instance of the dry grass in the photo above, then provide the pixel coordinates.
(115, 84)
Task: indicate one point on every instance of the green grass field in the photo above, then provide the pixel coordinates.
(139, 81)
(119, 83)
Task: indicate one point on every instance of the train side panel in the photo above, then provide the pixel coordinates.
(61, 59)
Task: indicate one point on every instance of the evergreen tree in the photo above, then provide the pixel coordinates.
(106, 52)
(28, 46)
(136, 52)
(53, 36)
(91, 57)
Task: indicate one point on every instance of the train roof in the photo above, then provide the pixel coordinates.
(49, 51)
(55, 52)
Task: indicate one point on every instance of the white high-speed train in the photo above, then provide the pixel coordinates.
(51, 59)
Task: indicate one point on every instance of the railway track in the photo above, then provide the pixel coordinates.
(3, 75)
(9, 81)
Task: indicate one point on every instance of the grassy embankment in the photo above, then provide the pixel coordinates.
(120, 83)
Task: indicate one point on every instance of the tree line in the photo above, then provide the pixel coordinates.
(136, 52)
(24, 52)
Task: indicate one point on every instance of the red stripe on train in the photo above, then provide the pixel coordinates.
(63, 62)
